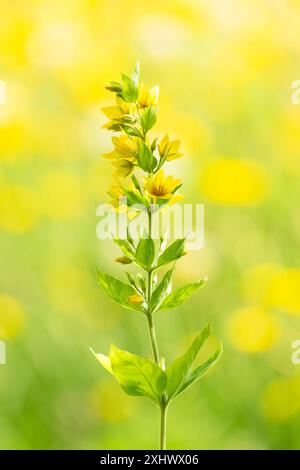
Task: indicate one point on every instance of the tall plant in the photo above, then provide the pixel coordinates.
(140, 159)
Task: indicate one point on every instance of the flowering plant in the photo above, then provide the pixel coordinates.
(133, 116)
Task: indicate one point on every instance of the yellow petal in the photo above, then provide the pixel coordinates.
(112, 112)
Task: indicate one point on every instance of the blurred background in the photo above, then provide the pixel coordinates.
(225, 70)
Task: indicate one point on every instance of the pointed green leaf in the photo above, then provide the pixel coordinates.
(180, 295)
(129, 89)
(178, 372)
(145, 252)
(199, 371)
(135, 198)
(117, 290)
(137, 375)
(104, 361)
(161, 291)
(148, 119)
(125, 246)
(146, 159)
(172, 253)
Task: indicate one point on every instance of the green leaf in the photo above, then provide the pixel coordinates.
(114, 86)
(129, 89)
(148, 119)
(125, 246)
(138, 376)
(145, 253)
(161, 291)
(134, 198)
(136, 183)
(146, 159)
(104, 361)
(180, 295)
(178, 372)
(131, 130)
(199, 371)
(117, 290)
(172, 253)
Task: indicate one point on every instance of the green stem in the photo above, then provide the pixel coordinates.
(163, 427)
(153, 338)
(163, 406)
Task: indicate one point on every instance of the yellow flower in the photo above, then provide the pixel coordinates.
(116, 192)
(125, 147)
(135, 299)
(148, 96)
(168, 149)
(124, 167)
(19, 209)
(12, 316)
(281, 399)
(115, 113)
(253, 329)
(161, 187)
(126, 108)
(112, 112)
(236, 182)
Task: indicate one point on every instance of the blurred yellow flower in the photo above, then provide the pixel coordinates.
(19, 209)
(281, 399)
(168, 149)
(252, 329)
(161, 186)
(103, 398)
(236, 182)
(256, 281)
(273, 286)
(284, 289)
(62, 195)
(12, 317)
(148, 96)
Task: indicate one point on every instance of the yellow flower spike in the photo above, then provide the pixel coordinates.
(135, 299)
(161, 186)
(148, 96)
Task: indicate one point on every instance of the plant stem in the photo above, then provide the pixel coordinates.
(153, 338)
(163, 426)
(163, 406)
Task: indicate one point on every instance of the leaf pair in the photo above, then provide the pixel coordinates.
(139, 376)
(161, 299)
